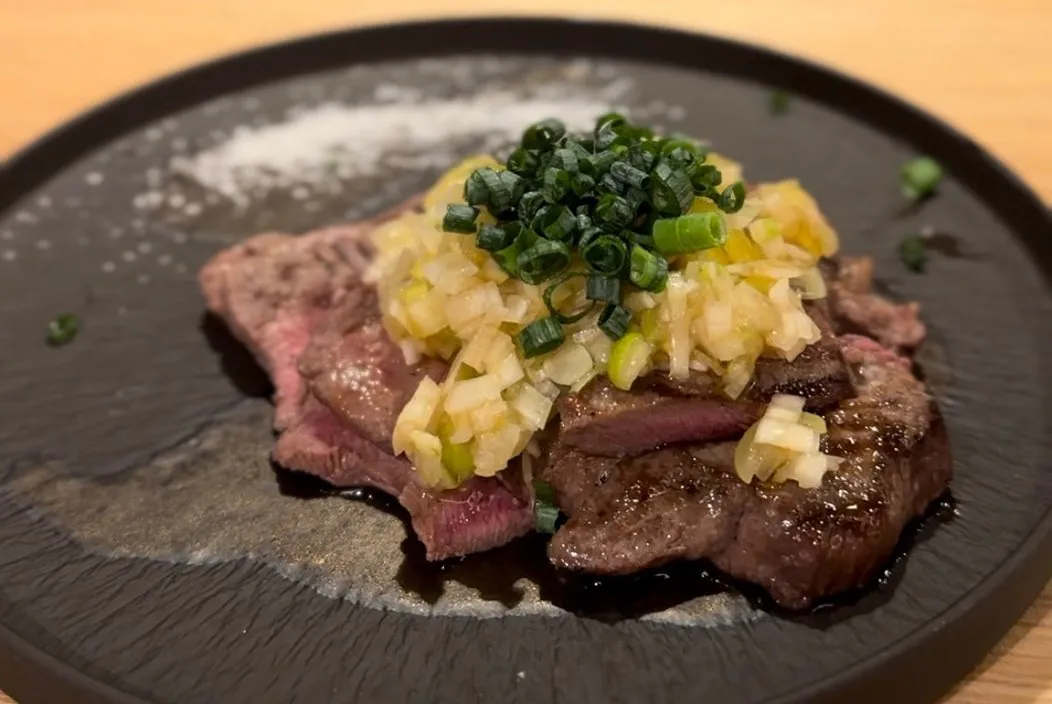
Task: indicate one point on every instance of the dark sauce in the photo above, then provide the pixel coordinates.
(946, 244)
(496, 573)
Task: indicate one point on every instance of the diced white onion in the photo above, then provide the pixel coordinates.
(472, 393)
(568, 364)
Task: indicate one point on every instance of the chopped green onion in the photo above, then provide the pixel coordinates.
(913, 253)
(543, 260)
(587, 235)
(609, 185)
(565, 159)
(529, 204)
(603, 288)
(647, 270)
(599, 164)
(705, 179)
(556, 184)
(508, 258)
(628, 174)
(692, 232)
(642, 156)
(540, 337)
(605, 254)
(779, 102)
(543, 134)
(613, 212)
(581, 184)
(609, 129)
(514, 186)
(614, 320)
(460, 218)
(62, 329)
(557, 222)
(494, 238)
(475, 190)
(635, 197)
(545, 512)
(671, 190)
(646, 241)
(733, 198)
(522, 162)
(920, 177)
(561, 317)
(681, 158)
(671, 146)
(584, 221)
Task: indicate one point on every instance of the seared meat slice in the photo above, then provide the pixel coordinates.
(856, 308)
(798, 544)
(301, 301)
(603, 420)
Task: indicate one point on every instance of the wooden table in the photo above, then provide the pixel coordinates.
(984, 65)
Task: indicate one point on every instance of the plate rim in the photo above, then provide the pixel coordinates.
(992, 607)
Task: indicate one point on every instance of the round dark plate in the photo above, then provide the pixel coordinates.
(149, 553)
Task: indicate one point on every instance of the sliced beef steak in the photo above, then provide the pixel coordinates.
(856, 308)
(603, 420)
(300, 305)
(798, 544)
(274, 290)
(481, 514)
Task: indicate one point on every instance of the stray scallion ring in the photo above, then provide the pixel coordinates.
(564, 318)
(614, 321)
(647, 270)
(540, 337)
(605, 254)
(692, 232)
(460, 218)
(543, 260)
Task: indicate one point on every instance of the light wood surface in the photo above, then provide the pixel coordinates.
(983, 65)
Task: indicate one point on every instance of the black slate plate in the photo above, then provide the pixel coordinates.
(146, 552)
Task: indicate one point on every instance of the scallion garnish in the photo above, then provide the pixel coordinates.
(920, 177)
(779, 102)
(565, 318)
(603, 288)
(494, 238)
(543, 135)
(647, 270)
(692, 232)
(614, 320)
(540, 337)
(733, 198)
(62, 329)
(545, 512)
(913, 253)
(605, 254)
(621, 199)
(543, 260)
(460, 218)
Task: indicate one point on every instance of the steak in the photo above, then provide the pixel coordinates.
(685, 502)
(857, 309)
(604, 420)
(300, 305)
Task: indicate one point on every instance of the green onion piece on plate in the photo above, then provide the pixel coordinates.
(523, 239)
(543, 260)
(543, 135)
(779, 102)
(494, 238)
(613, 213)
(545, 512)
(605, 254)
(705, 180)
(671, 190)
(460, 218)
(920, 177)
(913, 253)
(732, 199)
(529, 204)
(540, 337)
(557, 222)
(628, 174)
(556, 184)
(603, 288)
(62, 329)
(522, 162)
(692, 232)
(647, 270)
(614, 320)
